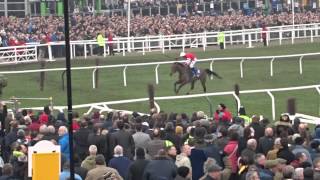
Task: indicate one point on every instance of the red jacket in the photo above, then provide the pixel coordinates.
(224, 115)
(110, 39)
(231, 149)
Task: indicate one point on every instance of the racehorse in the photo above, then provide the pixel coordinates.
(186, 76)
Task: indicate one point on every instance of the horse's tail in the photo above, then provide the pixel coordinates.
(209, 72)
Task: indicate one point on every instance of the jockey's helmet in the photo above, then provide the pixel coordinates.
(182, 54)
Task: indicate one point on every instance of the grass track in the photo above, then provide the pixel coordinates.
(256, 76)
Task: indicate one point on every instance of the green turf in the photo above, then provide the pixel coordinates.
(256, 76)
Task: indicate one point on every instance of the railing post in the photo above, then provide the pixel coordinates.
(123, 49)
(124, 76)
(169, 41)
(249, 39)
(132, 43)
(292, 35)
(231, 41)
(94, 78)
(143, 50)
(204, 40)
(118, 45)
(162, 43)
(243, 37)
(183, 41)
(211, 68)
(15, 55)
(50, 52)
(71, 51)
(91, 50)
(300, 64)
(85, 50)
(271, 66)
(273, 106)
(36, 52)
(280, 36)
(311, 35)
(149, 44)
(241, 68)
(74, 50)
(157, 74)
(238, 100)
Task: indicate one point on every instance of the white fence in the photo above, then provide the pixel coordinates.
(157, 65)
(103, 106)
(247, 37)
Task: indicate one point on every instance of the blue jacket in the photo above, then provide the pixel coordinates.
(64, 175)
(121, 164)
(64, 146)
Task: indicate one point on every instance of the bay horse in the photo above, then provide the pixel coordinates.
(186, 76)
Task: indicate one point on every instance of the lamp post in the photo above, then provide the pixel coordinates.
(128, 25)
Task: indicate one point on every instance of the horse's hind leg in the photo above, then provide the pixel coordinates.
(192, 86)
(203, 83)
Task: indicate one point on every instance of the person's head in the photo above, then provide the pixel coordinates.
(156, 133)
(268, 132)
(281, 164)
(51, 129)
(186, 149)
(284, 143)
(260, 159)
(288, 172)
(277, 143)
(120, 124)
(100, 160)
(118, 151)
(62, 130)
(299, 141)
(316, 164)
(93, 150)
(221, 107)
(183, 171)
(301, 157)
(255, 119)
(214, 171)
(308, 173)
(252, 144)
(7, 169)
(138, 127)
(252, 175)
(171, 151)
(233, 135)
(298, 174)
(83, 124)
(140, 153)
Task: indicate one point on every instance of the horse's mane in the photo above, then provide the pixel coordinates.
(180, 64)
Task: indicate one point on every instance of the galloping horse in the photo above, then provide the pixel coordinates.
(185, 76)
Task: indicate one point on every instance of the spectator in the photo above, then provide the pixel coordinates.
(140, 138)
(266, 142)
(211, 150)
(120, 162)
(101, 171)
(183, 173)
(7, 172)
(124, 139)
(183, 158)
(272, 154)
(64, 141)
(284, 151)
(160, 168)
(137, 168)
(155, 144)
(299, 148)
(65, 174)
(249, 153)
(214, 172)
(81, 139)
(222, 114)
(90, 161)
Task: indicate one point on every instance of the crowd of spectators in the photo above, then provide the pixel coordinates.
(165, 146)
(17, 31)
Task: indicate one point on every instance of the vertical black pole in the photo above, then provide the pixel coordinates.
(69, 86)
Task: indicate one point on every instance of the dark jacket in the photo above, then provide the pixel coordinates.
(160, 169)
(154, 146)
(213, 152)
(99, 141)
(249, 154)
(137, 168)
(81, 141)
(258, 130)
(125, 140)
(286, 154)
(121, 164)
(197, 159)
(265, 144)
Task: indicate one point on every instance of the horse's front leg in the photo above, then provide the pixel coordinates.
(181, 85)
(175, 86)
(192, 86)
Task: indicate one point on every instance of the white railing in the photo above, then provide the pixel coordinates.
(157, 65)
(103, 106)
(248, 37)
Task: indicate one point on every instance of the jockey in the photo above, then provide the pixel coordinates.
(190, 61)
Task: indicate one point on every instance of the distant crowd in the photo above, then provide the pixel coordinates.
(18, 31)
(117, 145)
